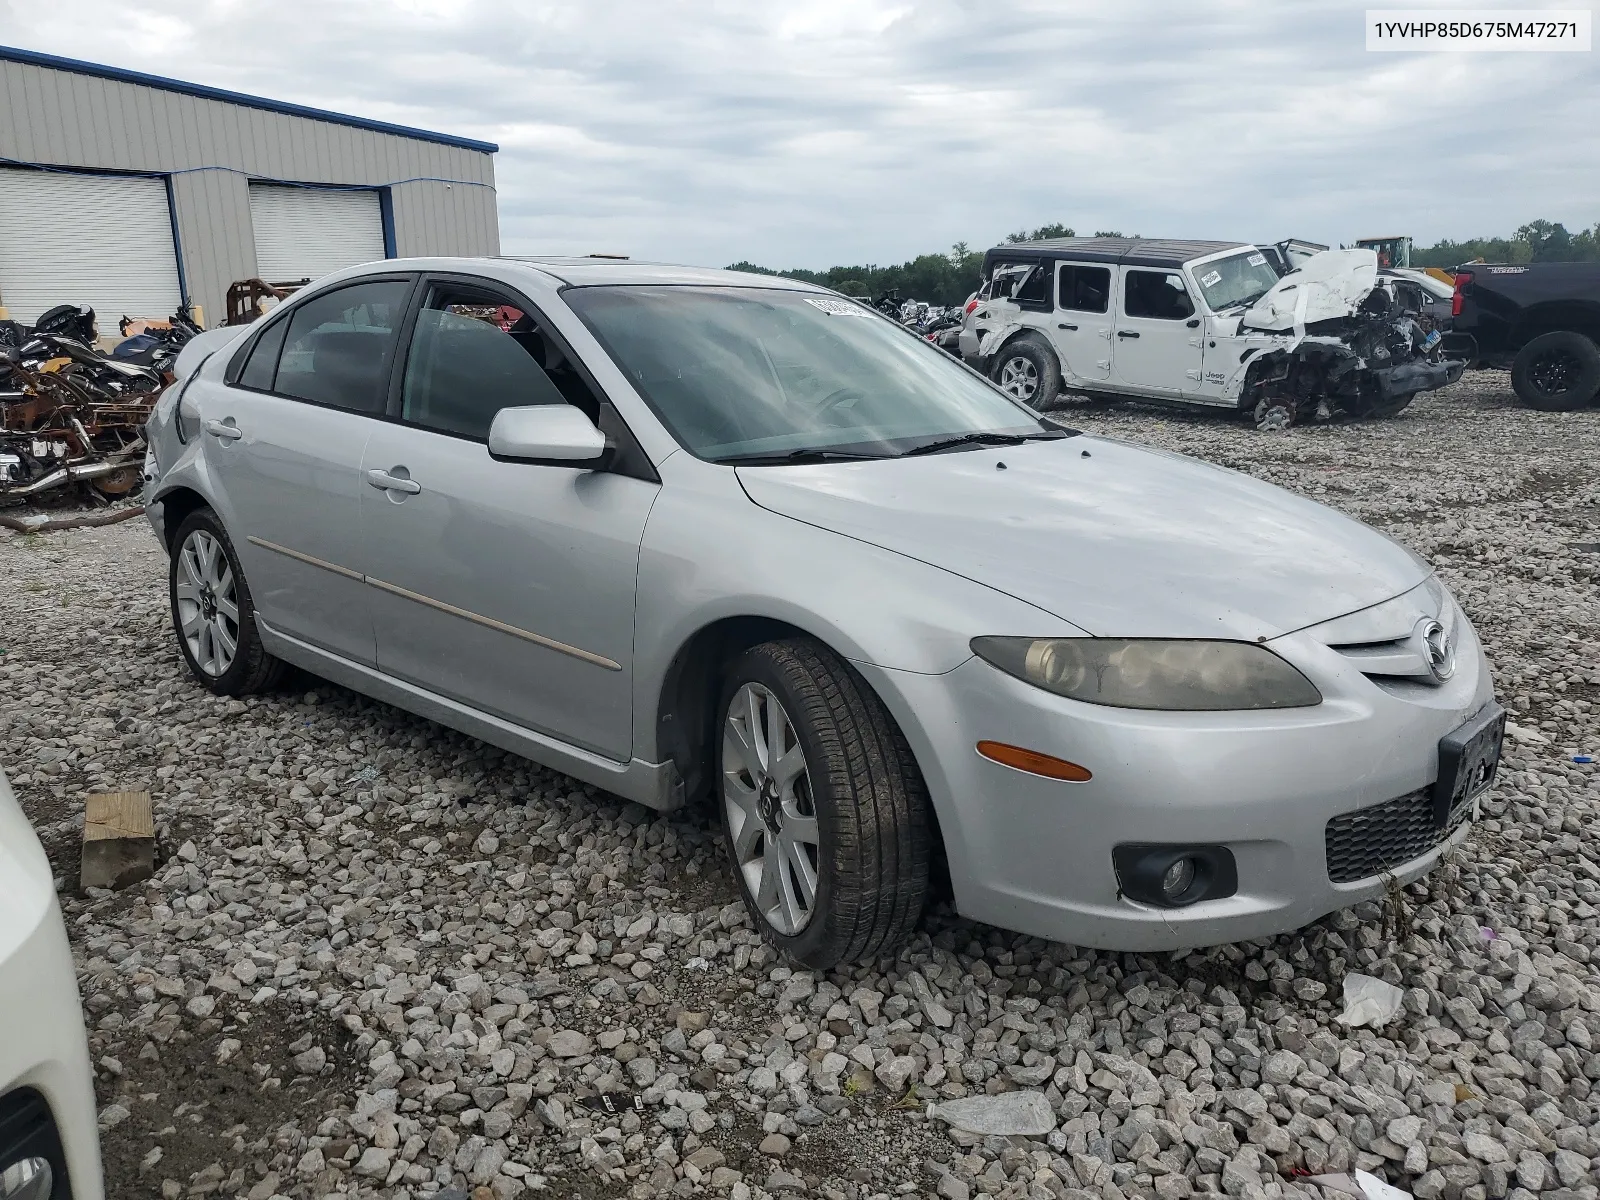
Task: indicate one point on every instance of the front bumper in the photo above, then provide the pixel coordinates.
(46, 1088)
(1035, 855)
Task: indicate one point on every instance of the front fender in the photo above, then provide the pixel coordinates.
(711, 554)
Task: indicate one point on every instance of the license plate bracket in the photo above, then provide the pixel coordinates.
(1469, 758)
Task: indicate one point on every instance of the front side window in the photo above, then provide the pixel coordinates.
(473, 353)
(737, 373)
(1084, 289)
(338, 344)
(1235, 280)
(1159, 294)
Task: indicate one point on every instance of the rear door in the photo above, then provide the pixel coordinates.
(1083, 324)
(1158, 346)
(283, 442)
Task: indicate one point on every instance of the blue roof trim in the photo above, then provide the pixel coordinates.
(78, 67)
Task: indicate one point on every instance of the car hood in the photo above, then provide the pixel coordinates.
(1118, 540)
(1324, 286)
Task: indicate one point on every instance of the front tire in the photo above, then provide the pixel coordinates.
(213, 614)
(1557, 372)
(825, 816)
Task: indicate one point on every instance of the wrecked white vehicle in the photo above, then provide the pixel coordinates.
(1202, 323)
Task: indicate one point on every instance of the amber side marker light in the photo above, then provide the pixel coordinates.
(1034, 763)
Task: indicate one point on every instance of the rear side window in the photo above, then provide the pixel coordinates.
(338, 344)
(1024, 282)
(258, 373)
(1159, 294)
(1084, 289)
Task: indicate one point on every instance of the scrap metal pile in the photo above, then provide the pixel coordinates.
(71, 415)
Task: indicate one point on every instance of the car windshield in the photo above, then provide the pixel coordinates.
(740, 374)
(1237, 279)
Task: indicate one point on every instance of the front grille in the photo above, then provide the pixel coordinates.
(1382, 838)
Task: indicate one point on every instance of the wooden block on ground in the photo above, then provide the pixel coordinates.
(119, 840)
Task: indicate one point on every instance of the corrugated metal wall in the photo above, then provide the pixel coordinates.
(73, 120)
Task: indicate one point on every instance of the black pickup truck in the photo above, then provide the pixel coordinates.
(1540, 320)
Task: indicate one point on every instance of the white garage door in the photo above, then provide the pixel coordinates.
(100, 241)
(303, 232)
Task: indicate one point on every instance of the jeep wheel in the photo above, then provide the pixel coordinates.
(1557, 372)
(825, 815)
(1027, 371)
(1274, 414)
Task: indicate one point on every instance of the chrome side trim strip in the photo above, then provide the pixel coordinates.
(655, 785)
(598, 660)
(305, 558)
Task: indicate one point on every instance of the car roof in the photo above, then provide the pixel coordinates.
(602, 270)
(1138, 252)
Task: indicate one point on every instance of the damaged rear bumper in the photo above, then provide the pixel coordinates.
(1408, 378)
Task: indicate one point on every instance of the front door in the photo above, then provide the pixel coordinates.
(507, 586)
(284, 443)
(1083, 324)
(1158, 342)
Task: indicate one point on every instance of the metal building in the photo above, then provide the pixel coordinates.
(130, 193)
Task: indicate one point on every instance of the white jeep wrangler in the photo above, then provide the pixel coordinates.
(1201, 323)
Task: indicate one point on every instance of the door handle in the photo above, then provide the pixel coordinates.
(225, 430)
(1126, 333)
(1193, 322)
(386, 482)
(1064, 325)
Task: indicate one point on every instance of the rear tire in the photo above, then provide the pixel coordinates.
(1028, 371)
(829, 832)
(212, 612)
(1557, 372)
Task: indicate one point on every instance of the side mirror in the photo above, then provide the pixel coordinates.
(554, 435)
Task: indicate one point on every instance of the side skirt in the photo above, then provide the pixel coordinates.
(655, 785)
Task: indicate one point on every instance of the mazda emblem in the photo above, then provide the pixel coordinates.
(1438, 651)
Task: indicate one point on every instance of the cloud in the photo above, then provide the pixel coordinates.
(871, 130)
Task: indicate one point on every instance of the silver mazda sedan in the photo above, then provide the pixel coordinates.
(684, 533)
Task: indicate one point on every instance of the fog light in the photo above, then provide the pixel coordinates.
(1174, 876)
(1178, 879)
(30, 1179)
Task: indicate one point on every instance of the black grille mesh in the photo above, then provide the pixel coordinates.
(1386, 836)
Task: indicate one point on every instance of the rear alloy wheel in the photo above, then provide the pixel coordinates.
(212, 612)
(824, 812)
(1557, 372)
(1027, 371)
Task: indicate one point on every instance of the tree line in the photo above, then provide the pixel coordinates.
(950, 278)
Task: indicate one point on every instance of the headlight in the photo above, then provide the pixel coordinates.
(1184, 676)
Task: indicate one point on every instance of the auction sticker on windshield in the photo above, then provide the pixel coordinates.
(1212, 278)
(837, 308)
(1255, 260)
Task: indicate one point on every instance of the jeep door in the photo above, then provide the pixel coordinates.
(1158, 344)
(1083, 324)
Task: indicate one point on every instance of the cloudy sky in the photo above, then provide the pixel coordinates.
(815, 132)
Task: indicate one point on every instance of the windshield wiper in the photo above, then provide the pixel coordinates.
(1246, 302)
(985, 439)
(798, 456)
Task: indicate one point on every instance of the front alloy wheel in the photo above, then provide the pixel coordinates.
(206, 604)
(766, 792)
(824, 812)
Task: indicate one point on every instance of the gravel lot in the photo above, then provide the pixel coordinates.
(379, 958)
